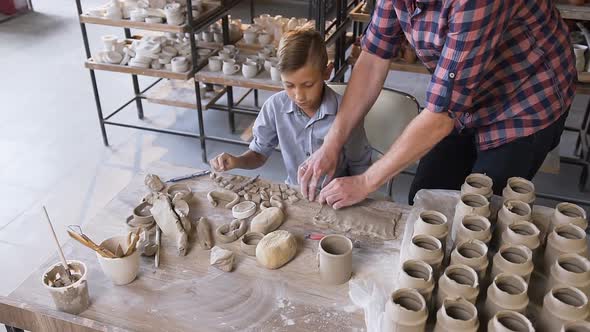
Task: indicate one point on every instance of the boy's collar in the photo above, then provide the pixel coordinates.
(323, 109)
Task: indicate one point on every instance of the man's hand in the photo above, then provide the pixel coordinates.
(346, 191)
(224, 162)
(321, 163)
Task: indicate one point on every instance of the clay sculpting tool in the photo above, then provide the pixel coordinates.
(68, 276)
(75, 231)
(159, 243)
(189, 176)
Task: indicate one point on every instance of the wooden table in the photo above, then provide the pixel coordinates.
(185, 293)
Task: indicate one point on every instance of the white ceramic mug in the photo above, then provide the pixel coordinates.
(250, 36)
(215, 63)
(207, 36)
(250, 69)
(218, 37)
(264, 38)
(275, 75)
(230, 49)
(270, 62)
(230, 67)
(108, 42)
(225, 55)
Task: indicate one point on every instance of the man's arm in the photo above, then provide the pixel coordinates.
(425, 131)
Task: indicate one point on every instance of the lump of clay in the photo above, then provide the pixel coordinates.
(268, 220)
(223, 195)
(204, 234)
(222, 259)
(276, 249)
(227, 233)
(153, 182)
(168, 221)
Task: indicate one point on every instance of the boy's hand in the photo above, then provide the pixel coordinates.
(223, 162)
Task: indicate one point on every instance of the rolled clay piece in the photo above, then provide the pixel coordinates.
(204, 234)
(291, 192)
(225, 195)
(275, 187)
(227, 233)
(249, 243)
(222, 259)
(264, 196)
(275, 203)
(168, 221)
(283, 187)
(243, 210)
(276, 249)
(276, 197)
(256, 199)
(231, 178)
(229, 186)
(267, 220)
(153, 182)
(242, 193)
(218, 179)
(224, 182)
(284, 196)
(248, 197)
(180, 189)
(212, 176)
(293, 199)
(253, 190)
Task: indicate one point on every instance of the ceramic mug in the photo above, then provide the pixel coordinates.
(250, 69)
(226, 55)
(335, 259)
(230, 49)
(230, 67)
(270, 62)
(270, 49)
(250, 36)
(215, 63)
(253, 58)
(264, 38)
(275, 75)
(207, 36)
(218, 37)
(108, 42)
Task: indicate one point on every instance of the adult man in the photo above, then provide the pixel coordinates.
(502, 83)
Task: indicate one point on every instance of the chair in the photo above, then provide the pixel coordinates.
(392, 112)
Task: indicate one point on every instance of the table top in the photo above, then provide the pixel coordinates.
(186, 293)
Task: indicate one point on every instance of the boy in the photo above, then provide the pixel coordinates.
(298, 118)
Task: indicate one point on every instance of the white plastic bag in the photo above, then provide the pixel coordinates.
(367, 295)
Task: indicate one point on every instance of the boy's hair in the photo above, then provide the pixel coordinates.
(299, 47)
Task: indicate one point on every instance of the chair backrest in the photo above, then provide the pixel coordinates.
(392, 112)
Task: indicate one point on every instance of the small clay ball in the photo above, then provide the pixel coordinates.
(276, 249)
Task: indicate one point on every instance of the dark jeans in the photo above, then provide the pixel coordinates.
(450, 161)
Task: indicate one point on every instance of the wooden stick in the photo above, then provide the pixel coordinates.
(61, 253)
(159, 242)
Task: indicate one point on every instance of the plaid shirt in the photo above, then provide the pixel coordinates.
(503, 68)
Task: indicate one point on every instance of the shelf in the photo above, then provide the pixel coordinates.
(210, 7)
(572, 12)
(261, 82)
(91, 64)
(181, 94)
(357, 15)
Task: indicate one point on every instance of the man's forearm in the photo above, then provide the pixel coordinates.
(421, 135)
(362, 90)
(250, 160)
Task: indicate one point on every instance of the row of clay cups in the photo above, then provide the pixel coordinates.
(516, 188)
(406, 310)
(251, 36)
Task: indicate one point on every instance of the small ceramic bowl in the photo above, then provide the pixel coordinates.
(249, 242)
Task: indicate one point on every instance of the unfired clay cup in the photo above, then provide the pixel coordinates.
(335, 253)
(121, 271)
(73, 298)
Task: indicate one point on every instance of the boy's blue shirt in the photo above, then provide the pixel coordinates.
(281, 123)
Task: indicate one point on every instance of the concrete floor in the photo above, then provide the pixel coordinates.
(52, 151)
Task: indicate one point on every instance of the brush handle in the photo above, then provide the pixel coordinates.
(61, 253)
